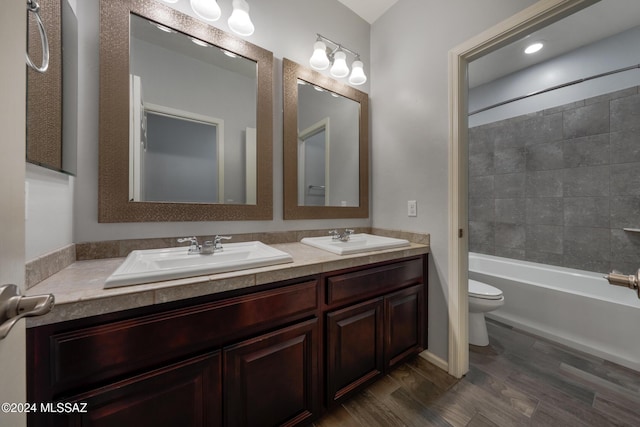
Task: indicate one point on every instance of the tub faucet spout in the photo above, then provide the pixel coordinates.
(630, 281)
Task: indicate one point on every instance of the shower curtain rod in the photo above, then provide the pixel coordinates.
(560, 86)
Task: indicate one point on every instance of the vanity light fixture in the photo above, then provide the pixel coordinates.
(323, 57)
(533, 48)
(209, 10)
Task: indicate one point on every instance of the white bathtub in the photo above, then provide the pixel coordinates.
(576, 308)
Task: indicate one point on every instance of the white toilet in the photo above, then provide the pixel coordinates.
(482, 299)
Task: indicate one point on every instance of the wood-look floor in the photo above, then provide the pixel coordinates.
(518, 380)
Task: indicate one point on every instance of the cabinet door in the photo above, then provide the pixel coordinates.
(273, 379)
(404, 324)
(354, 348)
(183, 394)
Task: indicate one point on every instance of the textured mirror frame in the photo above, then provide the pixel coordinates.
(291, 73)
(113, 183)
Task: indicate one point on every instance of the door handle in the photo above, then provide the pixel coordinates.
(14, 307)
(630, 281)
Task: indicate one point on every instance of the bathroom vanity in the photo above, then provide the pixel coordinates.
(276, 353)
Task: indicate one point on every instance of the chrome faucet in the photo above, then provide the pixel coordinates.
(207, 248)
(194, 248)
(343, 237)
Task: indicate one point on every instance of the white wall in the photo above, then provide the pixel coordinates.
(409, 84)
(286, 28)
(616, 52)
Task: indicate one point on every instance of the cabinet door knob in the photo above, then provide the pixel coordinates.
(14, 307)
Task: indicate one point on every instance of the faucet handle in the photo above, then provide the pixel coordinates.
(348, 231)
(217, 241)
(194, 247)
(334, 233)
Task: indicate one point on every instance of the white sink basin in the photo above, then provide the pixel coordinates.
(155, 265)
(357, 243)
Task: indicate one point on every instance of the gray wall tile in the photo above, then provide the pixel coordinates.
(625, 212)
(545, 156)
(481, 209)
(545, 211)
(586, 211)
(510, 211)
(481, 164)
(545, 184)
(625, 146)
(481, 187)
(544, 238)
(591, 119)
(557, 186)
(509, 160)
(510, 236)
(586, 182)
(509, 186)
(625, 113)
(625, 179)
(586, 151)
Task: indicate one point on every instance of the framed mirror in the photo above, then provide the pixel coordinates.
(185, 119)
(52, 95)
(326, 146)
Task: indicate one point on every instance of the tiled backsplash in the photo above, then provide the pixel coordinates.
(558, 186)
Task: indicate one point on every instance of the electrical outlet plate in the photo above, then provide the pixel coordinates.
(412, 208)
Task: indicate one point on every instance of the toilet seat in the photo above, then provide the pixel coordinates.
(483, 291)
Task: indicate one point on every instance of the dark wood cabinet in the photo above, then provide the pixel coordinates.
(277, 354)
(354, 348)
(271, 380)
(182, 394)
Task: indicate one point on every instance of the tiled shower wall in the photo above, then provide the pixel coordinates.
(558, 186)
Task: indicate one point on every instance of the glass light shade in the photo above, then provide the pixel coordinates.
(339, 68)
(239, 21)
(319, 60)
(206, 9)
(357, 76)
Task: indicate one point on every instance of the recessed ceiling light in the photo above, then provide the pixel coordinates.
(533, 48)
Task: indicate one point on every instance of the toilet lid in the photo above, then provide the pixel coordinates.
(484, 291)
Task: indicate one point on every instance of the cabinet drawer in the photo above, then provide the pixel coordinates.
(96, 353)
(373, 281)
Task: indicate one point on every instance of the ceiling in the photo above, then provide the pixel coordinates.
(369, 10)
(597, 22)
(603, 19)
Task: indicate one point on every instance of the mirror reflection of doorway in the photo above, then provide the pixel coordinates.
(313, 161)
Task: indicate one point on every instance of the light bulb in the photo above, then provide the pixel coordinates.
(239, 21)
(319, 60)
(357, 76)
(339, 68)
(206, 9)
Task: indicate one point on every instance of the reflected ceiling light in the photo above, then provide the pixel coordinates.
(199, 42)
(163, 28)
(229, 54)
(240, 21)
(206, 9)
(533, 48)
(322, 57)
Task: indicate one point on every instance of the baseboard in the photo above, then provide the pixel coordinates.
(432, 358)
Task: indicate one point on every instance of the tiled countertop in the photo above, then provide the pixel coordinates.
(78, 289)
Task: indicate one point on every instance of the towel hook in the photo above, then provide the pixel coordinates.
(34, 7)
